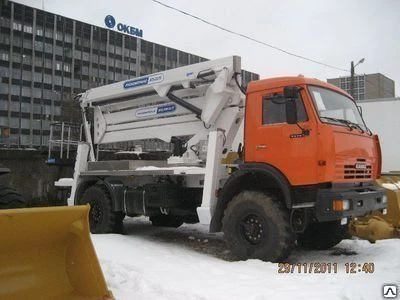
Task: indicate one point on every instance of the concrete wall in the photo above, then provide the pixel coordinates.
(382, 117)
(378, 86)
(32, 176)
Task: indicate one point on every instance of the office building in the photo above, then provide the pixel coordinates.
(367, 86)
(46, 59)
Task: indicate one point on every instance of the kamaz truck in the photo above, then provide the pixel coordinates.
(306, 164)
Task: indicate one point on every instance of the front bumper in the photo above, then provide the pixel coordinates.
(362, 201)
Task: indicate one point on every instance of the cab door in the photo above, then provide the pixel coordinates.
(270, 139)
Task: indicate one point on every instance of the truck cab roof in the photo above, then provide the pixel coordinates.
(260, 85)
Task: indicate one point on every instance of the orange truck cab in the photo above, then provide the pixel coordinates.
(306, 143)
(327, 158)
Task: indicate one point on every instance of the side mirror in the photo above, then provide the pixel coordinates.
(291, 92)
(291, 111)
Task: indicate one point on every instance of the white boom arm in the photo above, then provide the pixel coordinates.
(187, 101)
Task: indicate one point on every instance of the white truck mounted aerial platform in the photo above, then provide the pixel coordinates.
(202, 101)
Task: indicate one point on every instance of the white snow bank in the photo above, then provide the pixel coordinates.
(186, 263)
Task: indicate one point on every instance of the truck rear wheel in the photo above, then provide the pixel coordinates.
(255, 225)
(102, 218)
(322, 236)
(10, 198)
(166, 221)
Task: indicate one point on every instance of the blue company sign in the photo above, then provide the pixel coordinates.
(155, 110)
(156, 78)
(166, 108)
(110, 22)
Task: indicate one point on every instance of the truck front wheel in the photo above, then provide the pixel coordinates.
(322, 236)
(102, 218)
(256, 226)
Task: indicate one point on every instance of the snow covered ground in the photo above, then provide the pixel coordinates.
(190, 263)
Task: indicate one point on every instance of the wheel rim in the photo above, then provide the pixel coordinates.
(96, 213)
(252, 229)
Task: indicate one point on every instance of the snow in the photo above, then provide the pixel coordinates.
(189, 263)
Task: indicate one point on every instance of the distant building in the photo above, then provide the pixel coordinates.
(46, 59)
(367, 86)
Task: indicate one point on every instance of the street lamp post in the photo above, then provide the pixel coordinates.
(352, 75)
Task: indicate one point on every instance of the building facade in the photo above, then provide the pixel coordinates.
(46, 59)
(367, 86)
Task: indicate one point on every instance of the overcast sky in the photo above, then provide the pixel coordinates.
(334, 32)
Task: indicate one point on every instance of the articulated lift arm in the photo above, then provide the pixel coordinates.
(188, 101)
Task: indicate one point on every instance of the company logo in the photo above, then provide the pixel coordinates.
(155, 110)
(361, 166)
(156, 78)
(166, 108)
(110, 22)
(389, 291)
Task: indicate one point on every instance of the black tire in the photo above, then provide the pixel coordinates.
(166, 221)
(10, 198)
(322, 236)
(256, 226)
(102, 218)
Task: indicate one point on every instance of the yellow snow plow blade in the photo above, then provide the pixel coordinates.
(379, 226)
(47, 253)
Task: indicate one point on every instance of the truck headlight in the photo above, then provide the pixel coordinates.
(346, 204)
(384, 199)
(341, 205)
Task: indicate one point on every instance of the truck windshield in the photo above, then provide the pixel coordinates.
(335, 108)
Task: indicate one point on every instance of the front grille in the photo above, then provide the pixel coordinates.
(360, 169)
(350, 172)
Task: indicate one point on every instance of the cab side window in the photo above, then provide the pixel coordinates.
(274, 110)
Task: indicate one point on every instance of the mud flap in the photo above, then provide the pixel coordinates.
(47, 253)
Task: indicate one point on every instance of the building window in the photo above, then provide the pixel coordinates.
(4, 56)
(4, 38)
(3, 121)
(36, 140)
(4, 106)
(26, 91)
(25, 107)
(25, 139)
(67, 67)
(57, 110)
(47, 79)
(57, 80)
(14, 106)
(14, 123)
(25, 123)
(68, 38)
(59, 36)
(17, 26)
(37, 109)
(49, 33)
(27, 29)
